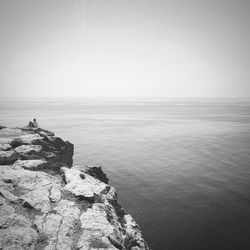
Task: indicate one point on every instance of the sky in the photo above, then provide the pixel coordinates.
(124, 48)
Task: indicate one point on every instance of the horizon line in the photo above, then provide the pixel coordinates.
(126, 98)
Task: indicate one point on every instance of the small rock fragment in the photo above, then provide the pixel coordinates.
(55, 194)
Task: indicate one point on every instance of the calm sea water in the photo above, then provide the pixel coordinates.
(181, 168)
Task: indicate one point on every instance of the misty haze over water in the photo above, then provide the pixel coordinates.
(180, 167)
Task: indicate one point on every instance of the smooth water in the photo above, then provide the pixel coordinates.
(181, 168)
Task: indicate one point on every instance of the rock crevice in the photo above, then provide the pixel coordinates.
(46, 203)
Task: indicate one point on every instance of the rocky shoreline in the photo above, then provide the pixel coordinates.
(46, 203)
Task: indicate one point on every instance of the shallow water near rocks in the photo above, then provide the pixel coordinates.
(181, 167)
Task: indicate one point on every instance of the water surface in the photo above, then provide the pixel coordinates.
(181, 168)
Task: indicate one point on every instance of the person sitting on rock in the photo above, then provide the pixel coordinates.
(30, 125)
(35, 124)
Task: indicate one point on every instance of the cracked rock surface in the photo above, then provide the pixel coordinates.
(45, 203)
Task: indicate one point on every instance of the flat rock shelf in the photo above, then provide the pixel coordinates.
(46, 203)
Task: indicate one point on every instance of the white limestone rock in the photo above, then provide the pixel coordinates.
(15, 230)
(81, 184)
(28, 152)
(97, 230)
(59, 226)
(8, 156)
(8, 195)
(25, 180)
(8, 134)
(31, 164)
(4, 146)
(55, 193)
(38, 199)
(30, 138)
(33, 188)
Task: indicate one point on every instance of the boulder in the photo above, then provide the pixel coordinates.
(29, 138)
(28, 149)
(7, 157)
(96, 172)
(29, 152)
(4, 146)
(16, 142)
(31, 164)
(9, 134)
(56, 151)
(81, 184)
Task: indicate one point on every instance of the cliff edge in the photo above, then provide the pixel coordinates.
(45, 203)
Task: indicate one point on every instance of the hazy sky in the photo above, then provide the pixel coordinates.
(119, 48)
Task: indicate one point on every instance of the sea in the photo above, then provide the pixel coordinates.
(181, 167)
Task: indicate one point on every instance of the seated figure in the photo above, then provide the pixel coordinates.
(35, 124)
(30, 125)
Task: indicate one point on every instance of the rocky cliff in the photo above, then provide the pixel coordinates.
(45, 203)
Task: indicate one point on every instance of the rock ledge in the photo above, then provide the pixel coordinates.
(45, 203)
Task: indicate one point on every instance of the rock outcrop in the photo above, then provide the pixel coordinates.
(45, 203)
